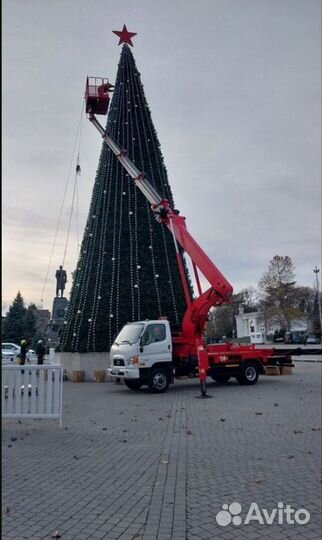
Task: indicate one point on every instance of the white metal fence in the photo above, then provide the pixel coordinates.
(32, 391)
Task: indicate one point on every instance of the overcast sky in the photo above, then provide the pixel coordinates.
(234, 91)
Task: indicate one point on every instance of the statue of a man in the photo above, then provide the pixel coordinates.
(61, 280)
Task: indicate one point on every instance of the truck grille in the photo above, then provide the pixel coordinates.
(119, 362)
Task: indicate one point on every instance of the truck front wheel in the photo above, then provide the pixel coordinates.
(133, 385)
(249, 373)
(159, 380)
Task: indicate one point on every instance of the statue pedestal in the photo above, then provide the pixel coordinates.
(56, 321)
(58, 312)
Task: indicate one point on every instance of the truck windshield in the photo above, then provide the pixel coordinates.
(130, 333)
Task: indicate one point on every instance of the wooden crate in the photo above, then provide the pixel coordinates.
(99, 376)
(286, 370)
(272, 370)
(78, 376)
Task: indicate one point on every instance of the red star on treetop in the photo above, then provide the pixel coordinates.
(124, 35)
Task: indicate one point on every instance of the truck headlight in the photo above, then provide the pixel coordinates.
(132, 361)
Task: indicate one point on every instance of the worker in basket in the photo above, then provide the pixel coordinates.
(104, 89)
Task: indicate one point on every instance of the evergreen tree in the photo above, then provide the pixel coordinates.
(127, 269)
(14, 325)
(30, 323)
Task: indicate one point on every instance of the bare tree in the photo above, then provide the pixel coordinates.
(277, 286)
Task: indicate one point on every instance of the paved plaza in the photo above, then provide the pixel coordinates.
(134, 466)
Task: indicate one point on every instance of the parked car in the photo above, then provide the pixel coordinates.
(298, 339)
(9, 352)
(278, 340)
(312, 340)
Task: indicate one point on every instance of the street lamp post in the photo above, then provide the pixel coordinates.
(316, 271)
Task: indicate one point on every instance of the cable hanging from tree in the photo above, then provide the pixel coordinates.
(77, 144)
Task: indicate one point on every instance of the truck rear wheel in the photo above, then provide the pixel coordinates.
(249, 374)
(133, 385)
(159, 380)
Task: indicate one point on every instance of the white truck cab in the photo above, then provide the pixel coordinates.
(142, 354)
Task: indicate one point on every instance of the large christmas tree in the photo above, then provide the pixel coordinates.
(127, 269)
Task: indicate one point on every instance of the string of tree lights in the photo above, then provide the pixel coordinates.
(127, 268)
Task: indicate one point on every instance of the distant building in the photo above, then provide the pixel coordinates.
(299, 328)
(253, 326)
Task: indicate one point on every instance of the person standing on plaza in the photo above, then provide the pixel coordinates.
(40, 351)
(23, 351)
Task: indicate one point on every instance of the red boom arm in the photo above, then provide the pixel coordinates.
(196, 316)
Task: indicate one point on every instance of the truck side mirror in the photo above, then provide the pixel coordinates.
(141, 345)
